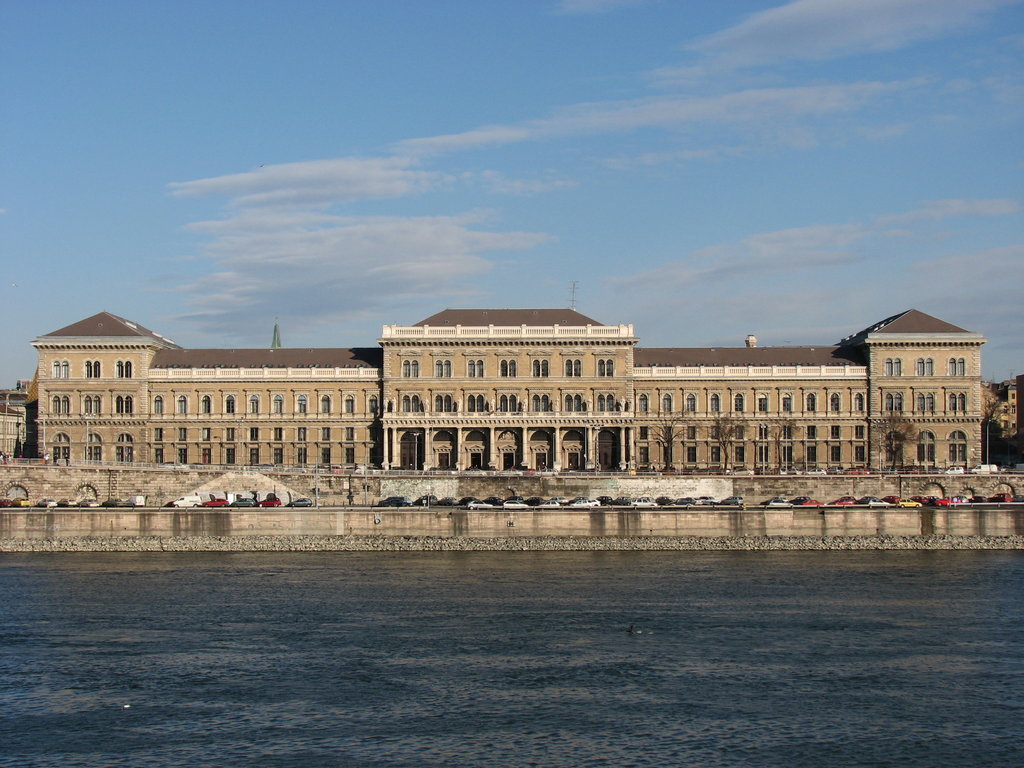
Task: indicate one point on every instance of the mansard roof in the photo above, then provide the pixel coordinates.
(484, 317)
(106, 325)
(911, 321)
(360, 357)
(741, 356)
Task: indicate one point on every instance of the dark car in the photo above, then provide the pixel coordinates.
(495, 501)
(534, 501)
(664, 501)
(303, 502)
(395, 501)
(606, 501)
(427, 500)
(243, 502)
(447, 501)
(466, 499)
(1001, 498)
(114, 503)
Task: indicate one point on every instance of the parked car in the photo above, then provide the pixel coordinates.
(843, 501)
(447, 501)
(552, 503)
(477, 504)
(954, 471)
(897, 501)
(606, 501)
(21, 502)
(645, 502)
(6, 502)
(776, 501)
(872, 501)
(244, 501)
(426, 500)
(114, 503)
(46, 503)
(515, 502)
(951, 501)
(215, 503)
(64, 503)
(302, 502)
(1001, 498)
(731, 501)
(684, 501)
(395, 501)
(805, 501)
(583, 501)
(664, 501)
(275, 502)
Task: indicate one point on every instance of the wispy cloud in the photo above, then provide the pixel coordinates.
(816, 30)
(751, 106)
(936, 210)
(315, 183)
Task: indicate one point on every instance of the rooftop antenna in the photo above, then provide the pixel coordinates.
(572, 294)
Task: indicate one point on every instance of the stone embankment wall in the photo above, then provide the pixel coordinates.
(160, 485)
(63, 529)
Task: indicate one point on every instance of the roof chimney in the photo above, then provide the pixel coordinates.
(751, 340)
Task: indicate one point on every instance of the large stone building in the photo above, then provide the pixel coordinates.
(541, 389)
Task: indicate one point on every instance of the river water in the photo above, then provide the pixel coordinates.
(512, 659)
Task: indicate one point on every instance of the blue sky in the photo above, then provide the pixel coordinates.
(701, 169)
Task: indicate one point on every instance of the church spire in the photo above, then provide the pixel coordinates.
(276, 342)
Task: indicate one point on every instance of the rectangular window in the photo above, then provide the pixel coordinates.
(254, 433)
(229, 434)
(325, 455)
(858, 431)
(645, 454)
(858, 453)
(301, 455)
(644, 433)
(229, 455)
(206, 433)
(279, 455)
(182, 433)
(812, 454)
(740, 454)
(301, 436)
(716, 454)
(158, 434)
(691, 454)
(183, 455)
(207, 456)
(691, 433)
(836, 432)
(350, 433)
(325, 433)
(254, 455)
(158, 455)
(812, 432)
(836, 454)
(278, 434)
(350, 455)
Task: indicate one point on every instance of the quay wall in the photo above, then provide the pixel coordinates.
(160, 485)
(38, 528)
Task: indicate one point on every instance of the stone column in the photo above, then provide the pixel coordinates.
(556, 448)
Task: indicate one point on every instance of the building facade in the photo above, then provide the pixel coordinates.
(535, 389)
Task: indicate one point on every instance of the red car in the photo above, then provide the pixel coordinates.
(270, 503)
(215, 503)
(805, 501)
(1001, 498)
(843, 501)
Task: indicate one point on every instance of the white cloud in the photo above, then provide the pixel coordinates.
(815, 30)
(315, 183)
(936, 210)
(747, 107)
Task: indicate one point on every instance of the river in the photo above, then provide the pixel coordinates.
(793, 659)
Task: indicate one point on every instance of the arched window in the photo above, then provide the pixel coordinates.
(893, 366)
(540, 368)
(125, 450)
(926, 447)
(475, 404)
(605, 367)
(415, 369)
(229, 404)
(812, 402)
(762, 403)
(254, 403)
(124, 369)
(373, 404)
(574, 403)
(123, 404)
(666, 403)
(55, 405)
(476, 369)
(858, 402)
(894, 402)
(929, 403)
(834, 402)
(737, 403)
(958, 447)
(508, 368)
(443, 404)
(411, 404)
(787, 403)
(715, 404)
(302, 404)
(957, 366)
(643, 404)
(94, 448)
(443, 368)
(92, 369)
(325, 404)
(541, 403)
(691, 403)
(920, 403)
(206, 404)
(573, 368)
(182, 404)
(92, 405)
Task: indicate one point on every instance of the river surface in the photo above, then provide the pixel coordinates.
(794, 659)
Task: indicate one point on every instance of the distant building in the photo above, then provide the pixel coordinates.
(541, 389)
(12, 419)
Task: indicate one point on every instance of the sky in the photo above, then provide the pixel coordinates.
(698, 168)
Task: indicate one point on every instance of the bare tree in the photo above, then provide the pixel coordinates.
(723, 432)
(780, 430)
(665, 432)
(889, 436)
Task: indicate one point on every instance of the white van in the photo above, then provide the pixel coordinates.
(190, 500)
(984, 469)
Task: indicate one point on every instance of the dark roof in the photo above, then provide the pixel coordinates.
(482, 317)
(361, 357)
(714, 356)
(910, 321)
(105, 324)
